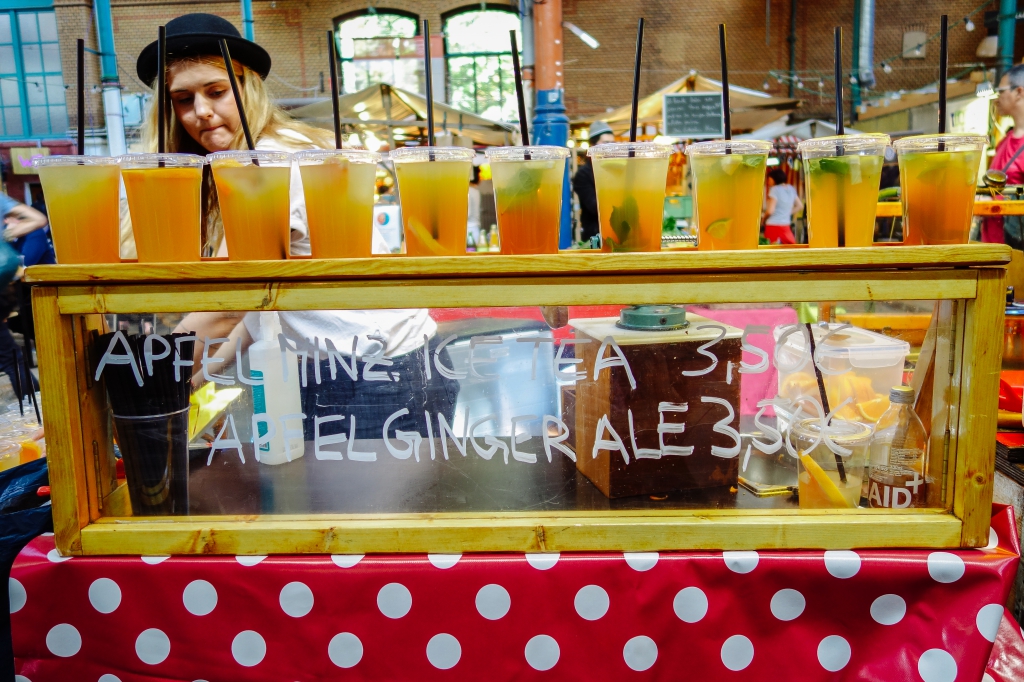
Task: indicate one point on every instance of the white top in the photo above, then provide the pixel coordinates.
(473, 221)
(403, 329)
(785, 199)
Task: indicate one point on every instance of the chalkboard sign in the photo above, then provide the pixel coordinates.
(693, 115)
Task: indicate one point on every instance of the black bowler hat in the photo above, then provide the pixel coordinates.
(193, 35)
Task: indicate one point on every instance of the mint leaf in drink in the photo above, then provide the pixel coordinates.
(523, 187)
(625, 218)
(834, 165)
(753, 160)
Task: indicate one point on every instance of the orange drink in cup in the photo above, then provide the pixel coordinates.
(83, 203)
(842, 174)
(938, 178)
(528, 196)
(163, 198)
(433, 189)
(630, 179)
(339, 185)
(728, 192)
(254, 202)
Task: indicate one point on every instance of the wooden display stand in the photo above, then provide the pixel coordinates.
(90, 508)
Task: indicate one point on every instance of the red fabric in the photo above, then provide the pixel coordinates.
(589, 616)
(779, 234)
(1006, 664)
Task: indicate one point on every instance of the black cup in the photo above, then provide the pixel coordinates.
(155, 454)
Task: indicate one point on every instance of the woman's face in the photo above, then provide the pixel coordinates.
(202, 101)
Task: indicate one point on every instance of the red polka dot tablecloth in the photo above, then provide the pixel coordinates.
(704, 615)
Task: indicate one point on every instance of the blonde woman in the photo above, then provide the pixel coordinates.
(204, 118)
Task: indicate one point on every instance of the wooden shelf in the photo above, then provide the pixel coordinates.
(566, 263)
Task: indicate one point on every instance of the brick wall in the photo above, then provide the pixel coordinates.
(679, 37)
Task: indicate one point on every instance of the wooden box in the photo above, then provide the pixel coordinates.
(674, 392)
(965, 284)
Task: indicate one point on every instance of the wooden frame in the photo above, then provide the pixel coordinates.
(88, 507)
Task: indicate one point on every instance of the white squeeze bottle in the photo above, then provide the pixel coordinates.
(276, 397)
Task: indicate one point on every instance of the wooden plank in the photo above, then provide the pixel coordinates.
(97, 433)
(533, 291)
(61, 419)
(526, 533)
(570, 262)
(979, 395)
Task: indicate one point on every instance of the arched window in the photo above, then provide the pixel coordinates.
(379, 48)
(479, 56)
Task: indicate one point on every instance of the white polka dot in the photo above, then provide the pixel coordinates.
(834, 653)
(936, 665)
(443, 560)
(47, 534)
(640, 653)
(690, 604)
(988, 620)
(542, 652)
(842, 563)
(22, 678)
(787, 604)
(443, 651)
(741, 562)
(993, 539)
(54, 556)
(199, 597)
(737, 653)
(249, 560)
(63, 640)
(152, 646)
(109, 678)
(346, 560)
(394, 600)
(888, 609)
(591, 602)
(987, 678)
(296, 599)
(543, 561)
(248, 648)
(18, 594)
(104, 595)
(641, 561)
(945, 567)
(493, 602)
(345, 650)
(154, 560)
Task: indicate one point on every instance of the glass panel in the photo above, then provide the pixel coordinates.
(32, 61)
(5, 29)
(47, 26)
(39, 120)
(55, 90)
(481, 31)
(58, 117)
(12, 121)
(51, 58)
(378, 26)
(27, 27)
(7, 63)
(535, 409)
(9, 93)
(35, 93)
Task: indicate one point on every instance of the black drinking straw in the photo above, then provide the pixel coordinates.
(430, 87)
(31, 388)
(161, 95)
(636, 85)
(840, 151)
(81, 97)
(332, 50)
(726, 114)
(943, 67)
(238, 97)
(523, 128)
(824, 397)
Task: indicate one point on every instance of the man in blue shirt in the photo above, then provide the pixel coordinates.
(23, 230)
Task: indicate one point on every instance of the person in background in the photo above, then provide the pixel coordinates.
(473, 220)
(1010, 102)
(23, 230)
(782, 203)
(583, 182)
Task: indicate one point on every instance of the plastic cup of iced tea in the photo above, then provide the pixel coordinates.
(254, 202)
(164, 200)
(84, 207)
(433, 190)
(630, 179)
(842, 173)
(728, 192)
(938, 178)
(528, 196)
(339, 185)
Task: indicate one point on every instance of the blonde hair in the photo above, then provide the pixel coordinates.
(265, 120)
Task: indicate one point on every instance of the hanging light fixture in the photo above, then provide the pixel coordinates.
(886, 67)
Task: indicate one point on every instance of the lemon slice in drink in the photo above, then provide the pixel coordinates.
(825, 484)
(720, 228)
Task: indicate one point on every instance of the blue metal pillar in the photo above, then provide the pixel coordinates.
(112, 112)
(247, 23)
(1007, 26)
(551, 127)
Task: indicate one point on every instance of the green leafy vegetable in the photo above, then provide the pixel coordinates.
(523, 187)
(625, 218)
